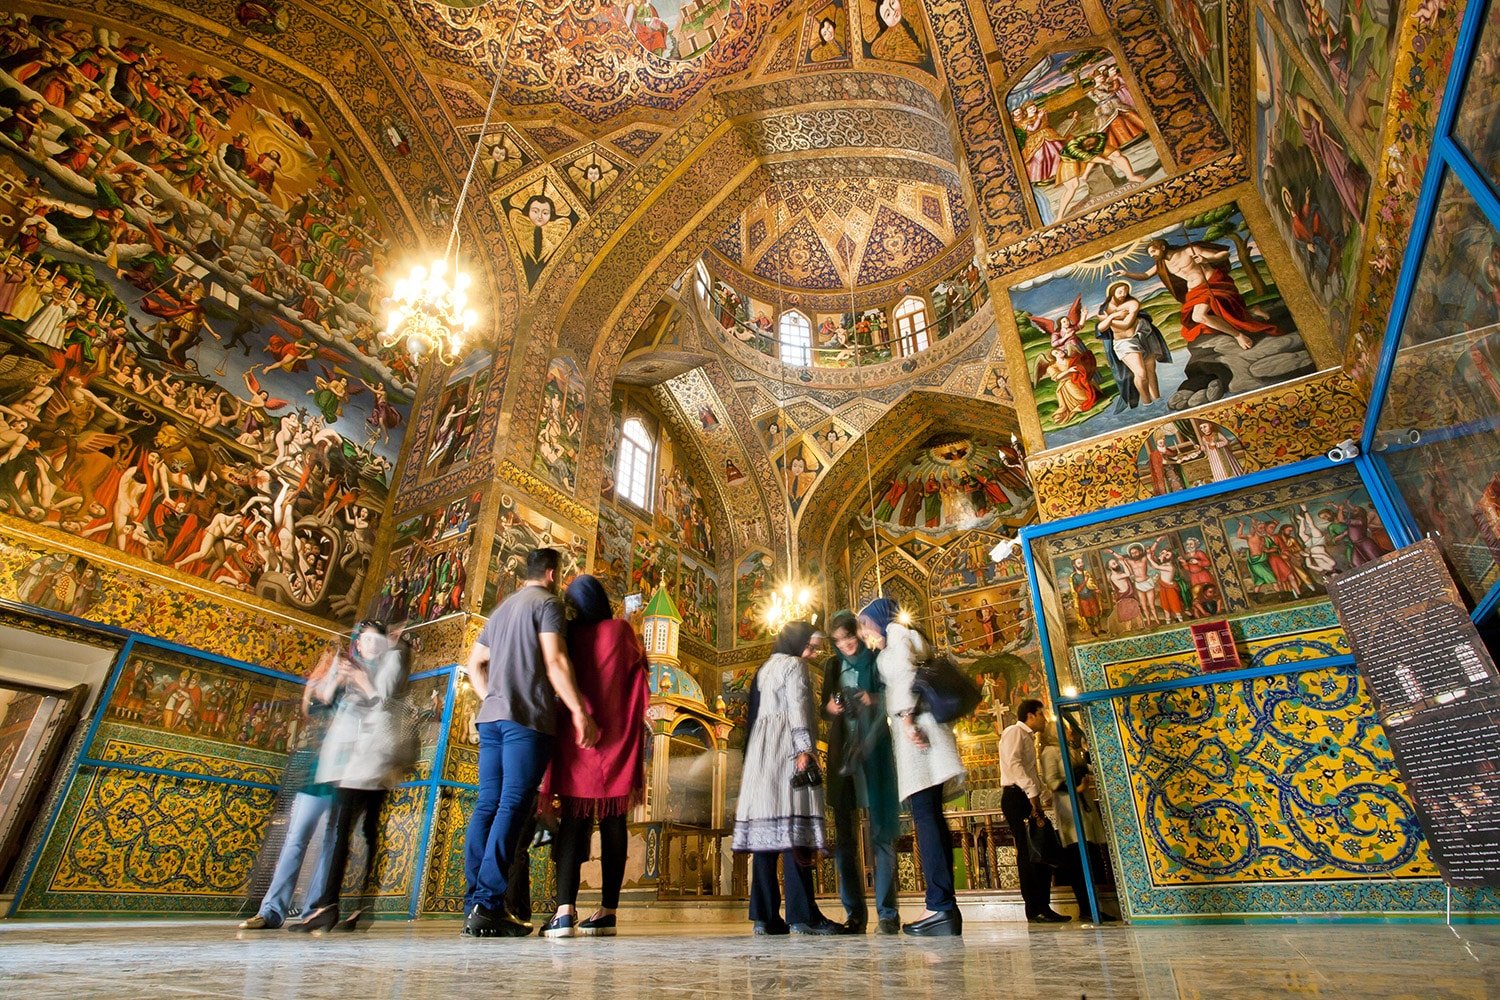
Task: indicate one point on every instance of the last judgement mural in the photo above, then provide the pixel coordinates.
(187, 301)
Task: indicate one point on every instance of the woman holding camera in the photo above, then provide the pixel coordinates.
(780, 812)
(928, 769)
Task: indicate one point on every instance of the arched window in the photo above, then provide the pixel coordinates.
(795, 331)
(636, 467)
(911, 326)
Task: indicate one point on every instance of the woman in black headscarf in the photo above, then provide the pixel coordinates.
(780, 809)
(602, 782)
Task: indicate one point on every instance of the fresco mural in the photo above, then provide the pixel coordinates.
(613, 536)
(681, 514)
(954, 482)
(825, 35)
(1315, 183)
(1184, 453)
(752, 585)
(561, 423)
(892, 33)
(1082, 137)
(799, 466)
(699, 592)
(459, 409)
(540, 217)
(1201, 319)
(518, 530)
(429, 557)
(677, 29)
(1478, 123)
(592, 173)
(501, 155)
(198, 698)
(1197, 26)
(776, 430)
(190, 368)
(1351, 46)
(1284, 554)
(1139, 584)
(653, 563)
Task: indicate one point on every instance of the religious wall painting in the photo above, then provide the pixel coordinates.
(1082, 136)
(613, 536)
(991, 634)
(62, 582)
(502, 156)
(264, 17)
(681, 513)
(592, 173)
(1285, 553)
(1313, 180)
(611, 459)
(540, 216)
(831, 437)
(776, 430)
(429, 559)
(187, 696)
(825, 36)
(677, 29)
(654, 563)
(1176, 318)
(798, 468)
(561, 423)
(1351, 46)
(1477, 126)
(1181, 454)
(193, 290)
(456, 419)
(1198, 28)
(953, 481)
(1139, 584)
(894, 32)
(965, 564)
(752, 588)
(698, 600)
(519, 528)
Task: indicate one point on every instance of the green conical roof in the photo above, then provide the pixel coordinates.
(661, 606)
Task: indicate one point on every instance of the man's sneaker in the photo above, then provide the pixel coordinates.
(485, 922)
(560, 926)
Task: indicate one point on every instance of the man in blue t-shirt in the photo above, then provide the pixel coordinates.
(520, 669)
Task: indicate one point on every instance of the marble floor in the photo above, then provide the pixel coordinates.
(430, 959)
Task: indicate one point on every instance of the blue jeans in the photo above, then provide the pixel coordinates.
(512, 760)
(307, 812)
(851, 869)
(934, 847)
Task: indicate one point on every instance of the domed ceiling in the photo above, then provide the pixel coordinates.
(595, 58)
(822, 235)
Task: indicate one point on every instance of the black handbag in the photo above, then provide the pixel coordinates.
(1043, 845)
(944, 690)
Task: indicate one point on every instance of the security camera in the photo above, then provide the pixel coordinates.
(1004, 550)
(1345, 451)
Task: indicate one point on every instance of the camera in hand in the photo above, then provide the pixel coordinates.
(808, 777)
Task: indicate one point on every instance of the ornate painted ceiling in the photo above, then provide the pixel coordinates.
(828, 234)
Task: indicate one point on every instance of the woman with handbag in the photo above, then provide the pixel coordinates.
(780, 811)
(371, 743)
(928, 769)
(602, 782)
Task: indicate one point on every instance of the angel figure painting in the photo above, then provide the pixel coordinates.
(1174, 319)
(954, 482)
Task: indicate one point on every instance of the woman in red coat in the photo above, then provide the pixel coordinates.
(604, 781)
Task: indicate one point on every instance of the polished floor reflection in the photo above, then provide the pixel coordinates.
(143, 959)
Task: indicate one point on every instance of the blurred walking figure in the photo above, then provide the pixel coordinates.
(780, 812)
(600, 783)
(928, 769)
(370, 745)
(310, 804)
(861, 776)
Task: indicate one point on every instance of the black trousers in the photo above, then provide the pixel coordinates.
(765, 889)
(934, 847)
(571, 850)
(1036, 880)
(350, 804)
(1070, 873)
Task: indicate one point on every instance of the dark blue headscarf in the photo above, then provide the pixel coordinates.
(586, 594)
(881, 612)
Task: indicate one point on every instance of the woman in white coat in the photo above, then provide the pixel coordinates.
(928, 769)
(779, 814)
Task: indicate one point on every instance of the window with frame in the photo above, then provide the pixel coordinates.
(911, 326)
(636, 465)
(795, 331)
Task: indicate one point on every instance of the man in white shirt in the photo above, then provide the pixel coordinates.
(1021, 802)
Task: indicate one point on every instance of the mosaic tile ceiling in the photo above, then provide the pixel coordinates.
(595, 58)
(822, 235)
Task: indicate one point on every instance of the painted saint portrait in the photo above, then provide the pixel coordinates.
(1181, 454)
(540, 219)
(1138, 584)
(1184, 316)
(825, 35)
(455, 425)
(1082, 136)
(681, 513)
(676, 29)
(894, 32)
(561, 423)
(799, 467)
(752, 587)
(1314, 181)
(518, 530)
